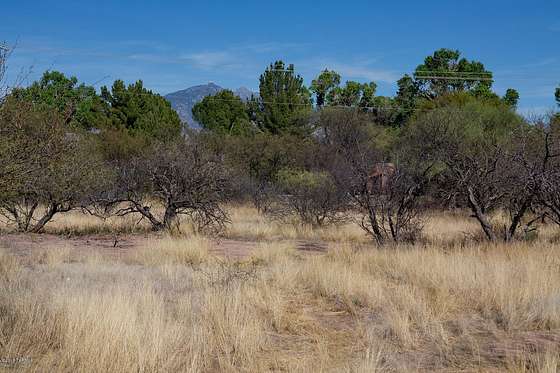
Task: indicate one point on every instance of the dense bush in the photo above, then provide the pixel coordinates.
(178, 178)
(485, 155)
(47, 169)
(353, 148)
(312, 196)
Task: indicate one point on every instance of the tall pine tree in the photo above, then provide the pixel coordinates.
(284, 100)
(140, 111)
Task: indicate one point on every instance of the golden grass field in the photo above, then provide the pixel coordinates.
(292, 300)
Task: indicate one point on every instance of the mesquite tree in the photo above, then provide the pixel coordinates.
(485, 154)
(388, 202)
(46, 169)
(311, 196)
(180, 177)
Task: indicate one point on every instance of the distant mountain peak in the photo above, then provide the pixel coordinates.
(245, 93)
(184, 100)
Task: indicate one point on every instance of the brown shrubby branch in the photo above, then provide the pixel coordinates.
(181, 177)
(386, 195)
(46, 169)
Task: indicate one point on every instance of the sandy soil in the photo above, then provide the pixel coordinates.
(123, 245)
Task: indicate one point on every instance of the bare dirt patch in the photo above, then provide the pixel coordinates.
(121, 246)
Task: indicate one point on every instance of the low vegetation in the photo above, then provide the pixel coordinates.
(175, 304)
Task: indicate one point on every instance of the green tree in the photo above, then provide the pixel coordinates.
(407, 98)
(445, 72)
(139, 111)
(353, 94)
(284, 99)
(324, 84)
(223, 113)
(511, 98)
(476, 145)
(557, 95)
(78, 104)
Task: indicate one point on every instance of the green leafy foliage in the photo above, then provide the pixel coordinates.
(353, 94)
(78, 104)
(290, 179)
(223, 113)
(284, 100)
(511, 98)
(446, 65)
(312, 196)
(407, 98)
(140, 111)
(323, 85)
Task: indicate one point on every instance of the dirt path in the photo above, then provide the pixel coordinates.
(123, 245)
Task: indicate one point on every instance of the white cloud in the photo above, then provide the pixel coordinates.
(357, 70)
(211, 59)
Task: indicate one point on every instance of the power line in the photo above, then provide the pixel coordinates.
(477, 79)
(431, 75)
(443, 72)
(100, 80)
(380, 107)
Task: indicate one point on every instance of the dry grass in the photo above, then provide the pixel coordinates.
(248, 223)
(175, 251)
(173, 306)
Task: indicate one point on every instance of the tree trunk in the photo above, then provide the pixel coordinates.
(517, 219)
(480, 216)
(375, 229)
(51, 211)
(26, 220)
(170, 216)
(145, 211)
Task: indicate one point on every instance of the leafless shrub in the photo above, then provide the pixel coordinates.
(17, 80)
(181, 177)
(549, 191)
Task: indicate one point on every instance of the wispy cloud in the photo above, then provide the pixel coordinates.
(211, 59)
(271, 47)
(555, 27)
(363, 69)
(365, 72)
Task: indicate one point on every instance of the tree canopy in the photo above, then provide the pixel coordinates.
(511, 98)
(78, 104)
(284, 99)
(445, 71)
(353, 94)
(323, 85)
(223, 113)
(140, 111)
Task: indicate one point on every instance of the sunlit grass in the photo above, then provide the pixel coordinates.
(448, 303)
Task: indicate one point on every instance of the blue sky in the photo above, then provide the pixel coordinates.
(172, 45)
